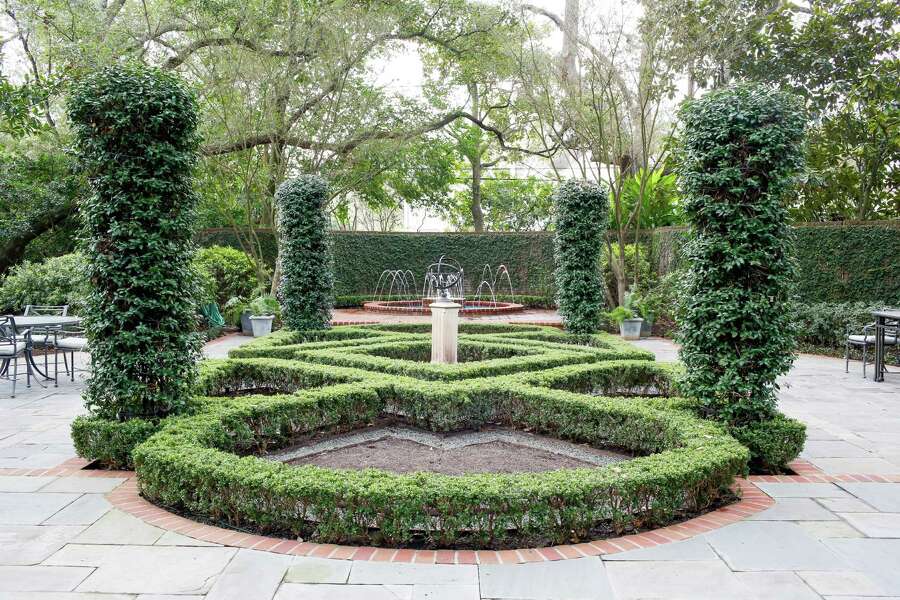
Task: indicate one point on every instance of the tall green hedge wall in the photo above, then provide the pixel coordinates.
(360, 257)
(839, 262)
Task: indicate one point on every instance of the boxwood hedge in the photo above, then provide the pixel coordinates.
(280, 390)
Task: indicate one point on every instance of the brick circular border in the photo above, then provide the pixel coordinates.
(127, 498)
(413, 307)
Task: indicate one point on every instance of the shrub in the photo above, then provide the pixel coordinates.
(822, 326)
(741, 148)
(231, 272)
(59, 280)
(110, 442)
(581, 211)
(773, 443)
(307, 282)
(135, 134)
(205, 464)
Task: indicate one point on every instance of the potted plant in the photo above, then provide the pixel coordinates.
(262, 314)
(629, 325)
(237, 314)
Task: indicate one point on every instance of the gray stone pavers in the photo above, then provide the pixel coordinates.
(86, 485)
(829, 529)
(877, 558)
(849, 504)
(146, 569)
(250, 574)
(772, 585)
(839, 583)
(318, 570)
(31, 544)
(803, 490)
(882, 497)
(83, 511)
(795, 509)
(21, 483)
(33, 508)
(772, 546)
(41, 578)
(305, 591)
(710, 580)
(117, 527)
(580, 579)
(875, 525)
(170, 538)
(408, 574)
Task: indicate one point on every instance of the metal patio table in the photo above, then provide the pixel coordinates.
(23, 322)
(882, 318)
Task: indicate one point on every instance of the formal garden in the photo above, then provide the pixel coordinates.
(467, 398)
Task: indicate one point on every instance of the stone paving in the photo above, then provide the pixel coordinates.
(60, 538)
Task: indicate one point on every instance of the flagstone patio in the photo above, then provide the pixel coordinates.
(832, 532)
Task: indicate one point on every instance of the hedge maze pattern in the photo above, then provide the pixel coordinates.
(579, 388)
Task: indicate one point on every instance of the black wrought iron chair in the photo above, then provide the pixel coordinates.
(14, 344)
(42, 337)
(867, 339)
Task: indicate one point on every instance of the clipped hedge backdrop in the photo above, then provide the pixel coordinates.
(838, 262)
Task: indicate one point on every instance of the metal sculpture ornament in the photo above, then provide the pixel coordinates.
(444, 279)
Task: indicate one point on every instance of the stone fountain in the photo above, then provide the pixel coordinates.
(443, 277)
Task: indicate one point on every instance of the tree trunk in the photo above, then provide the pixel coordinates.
(475, 160)
(12, 248)
(569, 57)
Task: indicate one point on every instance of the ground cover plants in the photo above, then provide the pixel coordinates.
(291, 386)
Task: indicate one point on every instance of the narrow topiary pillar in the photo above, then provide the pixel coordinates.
(581, 213)
(135, 133)
(741, 149)
(307, 281)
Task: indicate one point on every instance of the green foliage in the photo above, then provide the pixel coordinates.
(849, 262)
(637, 262)
(823, 326)
(110, 442)
(509, 204)
(264, 306)
(360, 257)
(581, 210)
(60, 280)
(773, 443)
(230, 270)
(741, 149)
(660, 206)
(307, 280)
(619, 314)
(205, 464)
(135, 134)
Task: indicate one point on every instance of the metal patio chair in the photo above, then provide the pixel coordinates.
(70, 340)
(867, 339)
(12, 346)
(42, 337)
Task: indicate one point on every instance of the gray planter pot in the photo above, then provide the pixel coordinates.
(646, 328)
(246, 327)
(631, 329)
(261, 325)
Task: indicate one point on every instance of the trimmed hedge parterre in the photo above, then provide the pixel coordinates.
(210, 463)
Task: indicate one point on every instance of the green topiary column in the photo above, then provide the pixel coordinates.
(307, 281)
(581, 213)
(135, 133)
(741, 150)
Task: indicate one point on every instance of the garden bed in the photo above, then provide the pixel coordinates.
(213, 464)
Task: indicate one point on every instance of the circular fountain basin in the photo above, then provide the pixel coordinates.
(470, 308)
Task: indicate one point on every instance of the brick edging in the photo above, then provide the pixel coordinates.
(127, 498)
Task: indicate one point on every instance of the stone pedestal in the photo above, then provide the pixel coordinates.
(444, 331)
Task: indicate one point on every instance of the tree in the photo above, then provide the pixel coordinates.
(580, 211)
(508, 204)
(307, 286)
(742, 150)
(135, 133)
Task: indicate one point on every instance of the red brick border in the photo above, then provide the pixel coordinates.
(127, 498)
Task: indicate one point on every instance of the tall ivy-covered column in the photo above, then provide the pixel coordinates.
(581, 213)
(135, 132)
(741, 150)
(307, 280)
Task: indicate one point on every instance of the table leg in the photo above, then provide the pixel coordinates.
(879, 349)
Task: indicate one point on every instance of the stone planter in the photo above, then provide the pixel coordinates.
(646, 328)
(261, 325)
(631, 329)
(246, 326)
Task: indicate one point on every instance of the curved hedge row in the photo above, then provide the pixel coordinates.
(209, 463)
